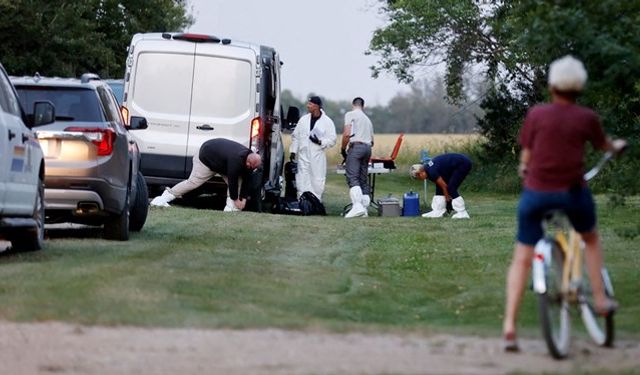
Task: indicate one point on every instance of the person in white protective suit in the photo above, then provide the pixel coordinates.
(447, 171)
(314, 134)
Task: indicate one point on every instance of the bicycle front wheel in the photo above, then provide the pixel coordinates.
(553, 308)
(600, 328)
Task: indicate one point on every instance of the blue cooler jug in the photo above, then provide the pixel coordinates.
(411, 204)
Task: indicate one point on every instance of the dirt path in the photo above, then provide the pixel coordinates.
(45, 348)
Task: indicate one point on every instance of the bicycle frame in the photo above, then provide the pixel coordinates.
(572, 270)
(571, 247)
(561, 251)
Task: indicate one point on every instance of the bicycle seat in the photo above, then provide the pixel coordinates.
(555, 218)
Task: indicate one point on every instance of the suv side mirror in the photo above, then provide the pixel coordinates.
(44, 113)
(293, 115)
(138, 123)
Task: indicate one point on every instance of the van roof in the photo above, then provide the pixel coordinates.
(196, 38)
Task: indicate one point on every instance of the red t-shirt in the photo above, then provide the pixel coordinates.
(556, 135)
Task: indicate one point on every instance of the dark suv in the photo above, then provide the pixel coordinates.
(92, 163)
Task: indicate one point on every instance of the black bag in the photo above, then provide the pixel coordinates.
(285, 206)
(310, 205)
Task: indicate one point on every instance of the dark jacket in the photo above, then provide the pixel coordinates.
(228, 158)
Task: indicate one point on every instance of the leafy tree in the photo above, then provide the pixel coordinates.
(514, 41)
(68, 38)
(604, 34)
(425, 33)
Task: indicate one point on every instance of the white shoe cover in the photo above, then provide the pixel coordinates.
(366, 202)
(438, 207)
(163, 200)
(230, 206)
(459, 207)
(357, 209)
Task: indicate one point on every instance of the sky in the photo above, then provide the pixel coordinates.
(321, 42)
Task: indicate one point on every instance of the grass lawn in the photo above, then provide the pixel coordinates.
(200, 268)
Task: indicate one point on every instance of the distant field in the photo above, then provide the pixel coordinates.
(411, 146)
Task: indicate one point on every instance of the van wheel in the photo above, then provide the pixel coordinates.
(31, 239)
(140, 207)
(117, 226)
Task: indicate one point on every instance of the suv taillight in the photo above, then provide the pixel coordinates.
(256, 130)
(102, 138)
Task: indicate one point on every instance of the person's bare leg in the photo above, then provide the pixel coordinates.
(594, 260)
(516, 282)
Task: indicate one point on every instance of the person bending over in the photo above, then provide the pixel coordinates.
(447, 171)
(233, 161)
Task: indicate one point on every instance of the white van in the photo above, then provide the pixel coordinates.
(194, 87)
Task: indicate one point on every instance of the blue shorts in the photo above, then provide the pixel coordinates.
(576, 203)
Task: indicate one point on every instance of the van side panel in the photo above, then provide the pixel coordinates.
(161, 92)
(224, 95)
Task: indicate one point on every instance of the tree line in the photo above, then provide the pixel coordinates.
(423, 109)
(67, 38)
(514, 42)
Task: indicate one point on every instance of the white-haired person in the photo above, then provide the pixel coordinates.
(447, 171)
(233, 161)
(553, 139)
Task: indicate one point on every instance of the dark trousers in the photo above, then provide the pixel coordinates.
(357, 166)
(453, 183)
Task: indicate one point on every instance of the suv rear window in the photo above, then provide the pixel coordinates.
(71, 103)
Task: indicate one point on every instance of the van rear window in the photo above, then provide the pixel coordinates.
(163, 83)
(222, 87)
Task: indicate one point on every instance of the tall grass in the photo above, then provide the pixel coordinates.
(495, 175)
(410, 149)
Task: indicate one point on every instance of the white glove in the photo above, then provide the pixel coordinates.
(163, 200)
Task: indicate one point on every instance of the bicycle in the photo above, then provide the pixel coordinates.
(559, 284)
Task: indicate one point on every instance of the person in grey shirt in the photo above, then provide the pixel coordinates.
(358, 136)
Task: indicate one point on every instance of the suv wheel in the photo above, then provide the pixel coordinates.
(117, 226)
(32, 238)
(140, 207)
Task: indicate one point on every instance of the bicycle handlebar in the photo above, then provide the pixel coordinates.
(600, 164)
(596, 169)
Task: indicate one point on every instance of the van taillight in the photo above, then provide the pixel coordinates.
(256, 130)
(102, 138)
(125, 114)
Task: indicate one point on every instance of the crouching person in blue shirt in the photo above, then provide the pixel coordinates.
(447, 172)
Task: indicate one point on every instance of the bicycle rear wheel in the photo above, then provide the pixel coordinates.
(600, 328)
(553, 308)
